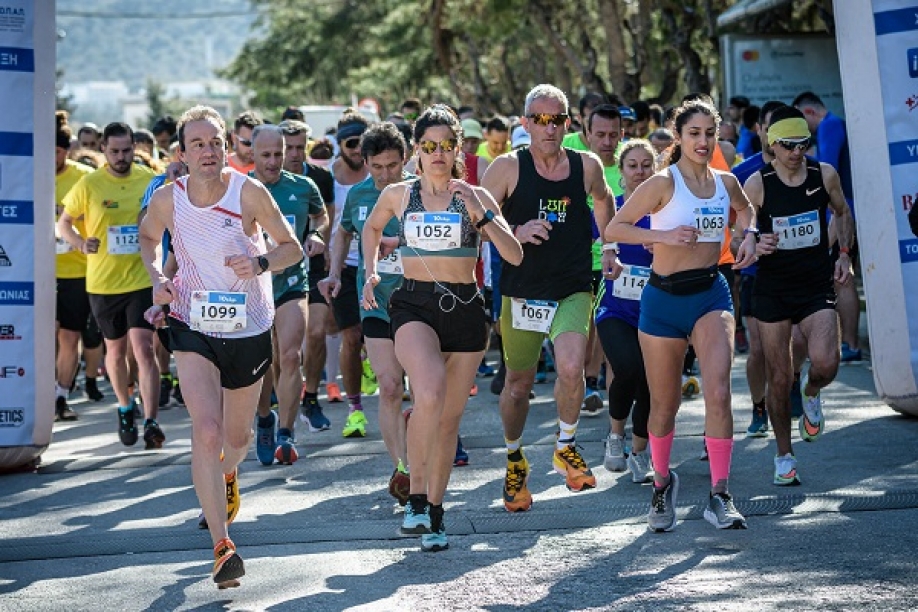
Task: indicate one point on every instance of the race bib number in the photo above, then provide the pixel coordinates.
(391, 263)
(797, 231)
(291, 219)
(433, 231)
(711, 222)
(630, 285)
(533, 315)
(123, 240)
(218, 311)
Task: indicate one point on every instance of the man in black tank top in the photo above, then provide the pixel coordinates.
(543, 194)
(794, 283)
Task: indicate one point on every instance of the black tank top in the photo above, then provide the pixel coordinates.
(563, 264)
(802, 264)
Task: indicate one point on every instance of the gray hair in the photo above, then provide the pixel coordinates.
(269, 128)
(545, 91)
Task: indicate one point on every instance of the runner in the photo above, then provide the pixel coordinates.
(437, 315)
(543, 191)
(220, 311)
(299, 201)
(241, 158)
(686, 298)
(108, 202)
(794, 282)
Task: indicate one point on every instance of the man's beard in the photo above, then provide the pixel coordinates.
(353, 165)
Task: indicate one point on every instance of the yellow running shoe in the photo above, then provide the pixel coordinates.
(233, 500)
(228, 566)
(571, 465)
(368, 382)
(517, 497)
(356, 425)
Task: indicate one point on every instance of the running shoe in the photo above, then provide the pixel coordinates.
(127, 432)
(435, 541)
(91, 390)
(662, 516)
(721, 512)
(285, 453)
(517, 497)
(796, 400)
(758, 428)
(63, 412)
(615, 453)
(741, 342)
(233, 499)
(265, 442)
(473, 391)
(639, 466)
(417, 518)
(541, 373)
(592, 403)
(165, 390)
(202, 521)
(484, 370)
(333, 393)
(356, 425)
(462, 457)
(311, 413)
(786, 471)
(704, 450)
(812, 422)
(228, 566)
(368, 382)
(691, 386)
(850, 356)
(400, 484)
(153, 436)
(497, 383)
(571, 465)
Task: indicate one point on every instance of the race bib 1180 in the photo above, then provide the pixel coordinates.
(797, 231)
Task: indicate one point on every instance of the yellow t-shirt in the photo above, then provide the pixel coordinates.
(109, 207)
(70, 262)
(483, 151)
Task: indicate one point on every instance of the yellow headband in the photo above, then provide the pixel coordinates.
(788, 129)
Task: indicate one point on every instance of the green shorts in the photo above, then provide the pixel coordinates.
(522, 348)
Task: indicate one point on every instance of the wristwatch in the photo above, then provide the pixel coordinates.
(487, 218)
(263, 264)
(752, 230)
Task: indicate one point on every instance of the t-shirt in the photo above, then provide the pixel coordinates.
(109, 206)
(234, 163)
(614, 181)
(573, 141)
(832, 148)
(70, 262)
(483, 151)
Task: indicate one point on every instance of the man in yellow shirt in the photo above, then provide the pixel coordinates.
(108, 201)
(497, 139)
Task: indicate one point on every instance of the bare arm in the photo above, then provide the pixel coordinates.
(648, 197)
(371, 236)
(315, 240)
(152, 226)
(844, 224)
(88, 246)
(477, 202)
(265, 212)
(745, 219)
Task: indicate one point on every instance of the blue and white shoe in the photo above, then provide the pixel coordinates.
(417, 520)
(285, 453)
(311, 413)
(264, 438)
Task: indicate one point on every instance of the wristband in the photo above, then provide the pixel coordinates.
(751, 230)
(610, 246)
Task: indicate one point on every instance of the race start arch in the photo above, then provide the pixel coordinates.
(878, 54)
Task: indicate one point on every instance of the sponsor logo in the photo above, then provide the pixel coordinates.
(227, 223)
(908, 200)
(750, 55)
(554, 211)
(810, 192)
(912, 55)
(259, 367)
(8, 332)
(4, 259)
(12, 10)
(12, 371)
(109, 204)
(12, 417)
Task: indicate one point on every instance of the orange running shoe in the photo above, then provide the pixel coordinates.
(333, 392)
(571, 465)
(517, 497)
(228, 566)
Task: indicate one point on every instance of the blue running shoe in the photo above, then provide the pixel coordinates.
(417, 517)
(311, 413)
(285, 453)
(758, 428)
(849, 356)
(435, 541)
(264, 437)
(485, 371)
(462, 457)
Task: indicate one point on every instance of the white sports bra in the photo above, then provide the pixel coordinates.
(709, 215)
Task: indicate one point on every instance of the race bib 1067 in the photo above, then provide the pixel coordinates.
(533, 315)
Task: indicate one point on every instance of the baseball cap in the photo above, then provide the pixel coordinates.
(472, 129)
(520, 137)
(627, 113)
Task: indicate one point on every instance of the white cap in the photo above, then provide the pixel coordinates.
(520, 137)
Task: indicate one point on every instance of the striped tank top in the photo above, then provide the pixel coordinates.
(204, 237)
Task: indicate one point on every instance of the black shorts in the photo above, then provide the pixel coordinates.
(72, 304)
(92, 335)
(463, 329)
(374, 327)
(289, 297)
(118, 313)
(316, 273)
(747, 282)
(346, 307)
(241, 361)
(772, 308)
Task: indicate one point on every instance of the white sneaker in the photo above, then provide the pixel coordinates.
(786, 471)
(812, 422)
(615, 453)
(639, 466)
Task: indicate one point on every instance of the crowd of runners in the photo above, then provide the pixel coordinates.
(232, 267)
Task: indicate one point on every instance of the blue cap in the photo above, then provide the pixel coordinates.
(627, 113)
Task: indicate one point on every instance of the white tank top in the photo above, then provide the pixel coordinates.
(203, 238)
(709, 215)
(341, 192)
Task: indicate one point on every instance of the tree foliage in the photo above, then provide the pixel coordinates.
(486, 53)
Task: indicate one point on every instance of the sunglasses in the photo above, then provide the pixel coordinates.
(447, 146)
(544, 119)
(352, 143)
(243, 141)
(794, 145)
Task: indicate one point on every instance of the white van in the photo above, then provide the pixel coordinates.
(321, 118)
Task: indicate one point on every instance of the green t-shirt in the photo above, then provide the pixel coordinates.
(297, 197)
(357, 208)
(573, 141)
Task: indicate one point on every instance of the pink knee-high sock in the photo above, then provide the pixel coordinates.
(720, 450)
(660, 449)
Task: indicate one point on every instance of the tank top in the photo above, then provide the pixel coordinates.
(341, 192)
(562, 265)
(451, 231)
(203, 238)
(471, 169)
(685, 208)
(802, 264)
(621, 298)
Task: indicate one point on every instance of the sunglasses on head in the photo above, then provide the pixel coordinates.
(352, 143)
(794, 145)
(447, 146)
(544, 119)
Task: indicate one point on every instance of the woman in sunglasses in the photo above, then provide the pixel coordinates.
(687, 297)
(437, 316)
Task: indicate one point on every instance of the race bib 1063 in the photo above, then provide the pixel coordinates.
(797, 231)
(630, 285)
(123, 240)
(218, 311)
(433, 231)
(533, 315)
(391, 263)
(711, 222)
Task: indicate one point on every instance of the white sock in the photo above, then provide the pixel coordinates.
(61, 391)
(568, 434)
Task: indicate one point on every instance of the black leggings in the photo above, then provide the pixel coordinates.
(629, 384)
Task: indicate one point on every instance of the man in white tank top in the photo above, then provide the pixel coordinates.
(221, 310)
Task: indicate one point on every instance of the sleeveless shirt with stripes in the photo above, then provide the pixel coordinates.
(204, 237)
